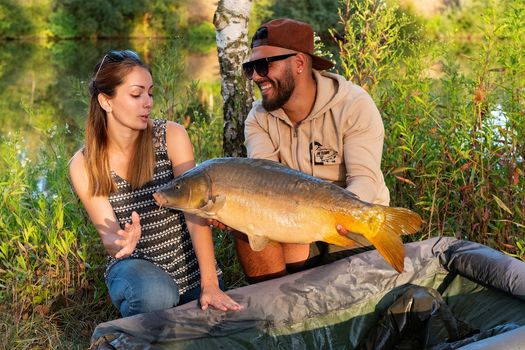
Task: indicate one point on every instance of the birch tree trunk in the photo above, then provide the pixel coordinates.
(231, 23)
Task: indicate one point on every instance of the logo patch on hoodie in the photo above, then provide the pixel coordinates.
(322, 155)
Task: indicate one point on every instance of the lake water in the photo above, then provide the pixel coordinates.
(45, 83)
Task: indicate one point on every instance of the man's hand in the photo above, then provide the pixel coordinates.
(218, 224)
(130, 235)
(341, 230)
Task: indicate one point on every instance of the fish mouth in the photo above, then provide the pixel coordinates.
(160, 199)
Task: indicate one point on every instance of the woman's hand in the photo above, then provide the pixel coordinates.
(130, 235)
(214, 296)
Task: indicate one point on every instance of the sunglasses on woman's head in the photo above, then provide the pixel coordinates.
(117, 56)
(261, 65)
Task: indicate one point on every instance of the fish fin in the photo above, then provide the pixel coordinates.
(387, 240)
(402, 221)
(207, 207)
(257, 243)
(390, 246)
(340, 240)
(359, 239)
(211, 208)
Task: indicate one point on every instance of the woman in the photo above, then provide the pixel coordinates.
(153, 263)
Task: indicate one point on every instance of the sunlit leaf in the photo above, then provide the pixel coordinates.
(405, 180)
(501, 204)
(400, 170)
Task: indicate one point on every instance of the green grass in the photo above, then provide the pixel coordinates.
(50, 261)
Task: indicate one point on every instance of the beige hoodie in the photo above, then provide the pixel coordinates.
(340, 141)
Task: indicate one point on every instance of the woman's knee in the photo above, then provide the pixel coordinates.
(137, 286)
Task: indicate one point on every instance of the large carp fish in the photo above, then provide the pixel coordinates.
(270, 202)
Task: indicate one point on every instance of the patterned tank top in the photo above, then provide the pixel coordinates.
(165, 240)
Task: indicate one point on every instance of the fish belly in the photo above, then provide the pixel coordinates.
(278, 220)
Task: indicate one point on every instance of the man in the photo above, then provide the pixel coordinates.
(309, 120)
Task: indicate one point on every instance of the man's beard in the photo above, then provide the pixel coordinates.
(283, 90)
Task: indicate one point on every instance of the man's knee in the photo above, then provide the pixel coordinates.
(262, 265)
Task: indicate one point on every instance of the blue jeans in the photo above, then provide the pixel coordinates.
(137, 286)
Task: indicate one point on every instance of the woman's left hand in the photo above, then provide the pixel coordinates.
(214, 296)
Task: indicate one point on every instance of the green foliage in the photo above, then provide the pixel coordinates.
(371, 41)
(14, 20)
(48, 259)
(260, 13)
(63, 25)
(320, 14)
(164, 17)
(90, 19)
(452, 145)
(204, 126)
(226, 256)
(178, 102)
(78, 18)
(168, 75)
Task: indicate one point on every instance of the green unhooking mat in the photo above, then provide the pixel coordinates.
(452, 294)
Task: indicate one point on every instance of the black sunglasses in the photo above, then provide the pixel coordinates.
(261, 65)
(117, 56)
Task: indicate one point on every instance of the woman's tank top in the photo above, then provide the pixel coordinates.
(165, 240)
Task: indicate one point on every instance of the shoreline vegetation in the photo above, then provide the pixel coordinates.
(454, 152)
(75, 19)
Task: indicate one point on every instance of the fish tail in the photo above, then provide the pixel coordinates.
(402, 221)
(386, 238)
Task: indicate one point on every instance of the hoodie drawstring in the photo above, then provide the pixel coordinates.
(312, 151)
(278, 138)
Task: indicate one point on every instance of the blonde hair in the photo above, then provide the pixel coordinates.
(110, 73)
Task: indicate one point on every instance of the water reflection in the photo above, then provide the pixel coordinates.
(44, 84)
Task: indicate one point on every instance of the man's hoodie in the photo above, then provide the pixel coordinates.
(341, 140)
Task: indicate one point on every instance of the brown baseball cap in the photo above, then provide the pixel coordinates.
(293, 35)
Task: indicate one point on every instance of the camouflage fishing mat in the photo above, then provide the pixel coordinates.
(452, 294)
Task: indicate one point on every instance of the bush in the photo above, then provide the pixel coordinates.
(452, 148)
(97, 18)
(320, 14)
(14, 20)
(372, 40)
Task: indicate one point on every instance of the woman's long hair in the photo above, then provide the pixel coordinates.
(110, 73)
